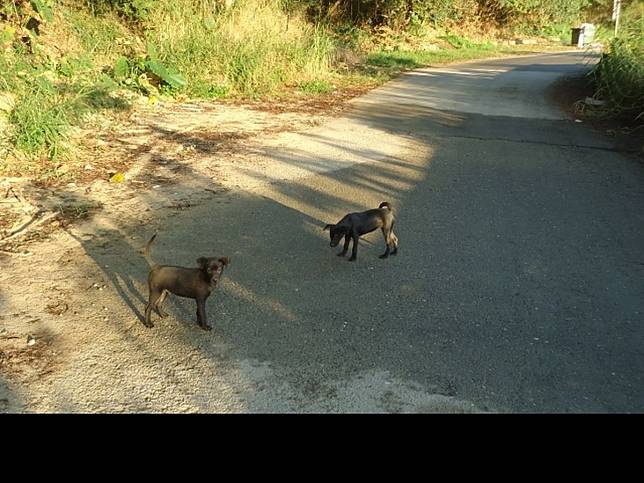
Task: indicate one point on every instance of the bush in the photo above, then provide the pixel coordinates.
(620, 72)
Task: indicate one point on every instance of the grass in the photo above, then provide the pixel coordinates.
(414, 59)
(252, 50)
(316, 87)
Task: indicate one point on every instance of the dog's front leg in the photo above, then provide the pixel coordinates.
(201, 314)
(347, 240)
(354, 250)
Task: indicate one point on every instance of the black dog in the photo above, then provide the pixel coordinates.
(194, 283)
(354, 225)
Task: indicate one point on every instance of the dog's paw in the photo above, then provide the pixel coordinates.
(352, 259)
(384, 255)
(341, 254)
(205, 326)
(149, 325)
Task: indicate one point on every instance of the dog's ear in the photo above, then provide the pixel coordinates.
(327, 227)
(202, 262)
(225, 261)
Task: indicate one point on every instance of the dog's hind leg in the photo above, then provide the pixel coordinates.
(393, 239)
(152, 302)
(354, 250)
(386, 233)
(394, 242)
(159, 304)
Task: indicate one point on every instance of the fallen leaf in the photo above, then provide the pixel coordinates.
(117, 177)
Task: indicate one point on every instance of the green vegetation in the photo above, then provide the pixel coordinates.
(528, 16)
(251, 50)
(63, 63)
(316, 87)
(48, 87)
(461, 49)
(620, 73)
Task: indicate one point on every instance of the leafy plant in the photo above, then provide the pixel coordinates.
(44, 9)
(168, 75)
(134, 10)
(139, 72)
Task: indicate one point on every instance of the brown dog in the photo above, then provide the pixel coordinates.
(195, 283)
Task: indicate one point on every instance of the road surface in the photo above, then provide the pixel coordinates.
(518, 287)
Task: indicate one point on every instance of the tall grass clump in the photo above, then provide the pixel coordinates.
(250, 49)
(51, 80)
(620, 72)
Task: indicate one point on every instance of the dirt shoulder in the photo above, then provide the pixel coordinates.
(574, 95)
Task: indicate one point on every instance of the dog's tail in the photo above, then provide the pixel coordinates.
(146, 252)
(386, 204)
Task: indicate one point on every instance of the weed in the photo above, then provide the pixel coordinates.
(316, 87)
(74, 212)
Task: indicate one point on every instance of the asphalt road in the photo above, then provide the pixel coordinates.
(519, 285)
